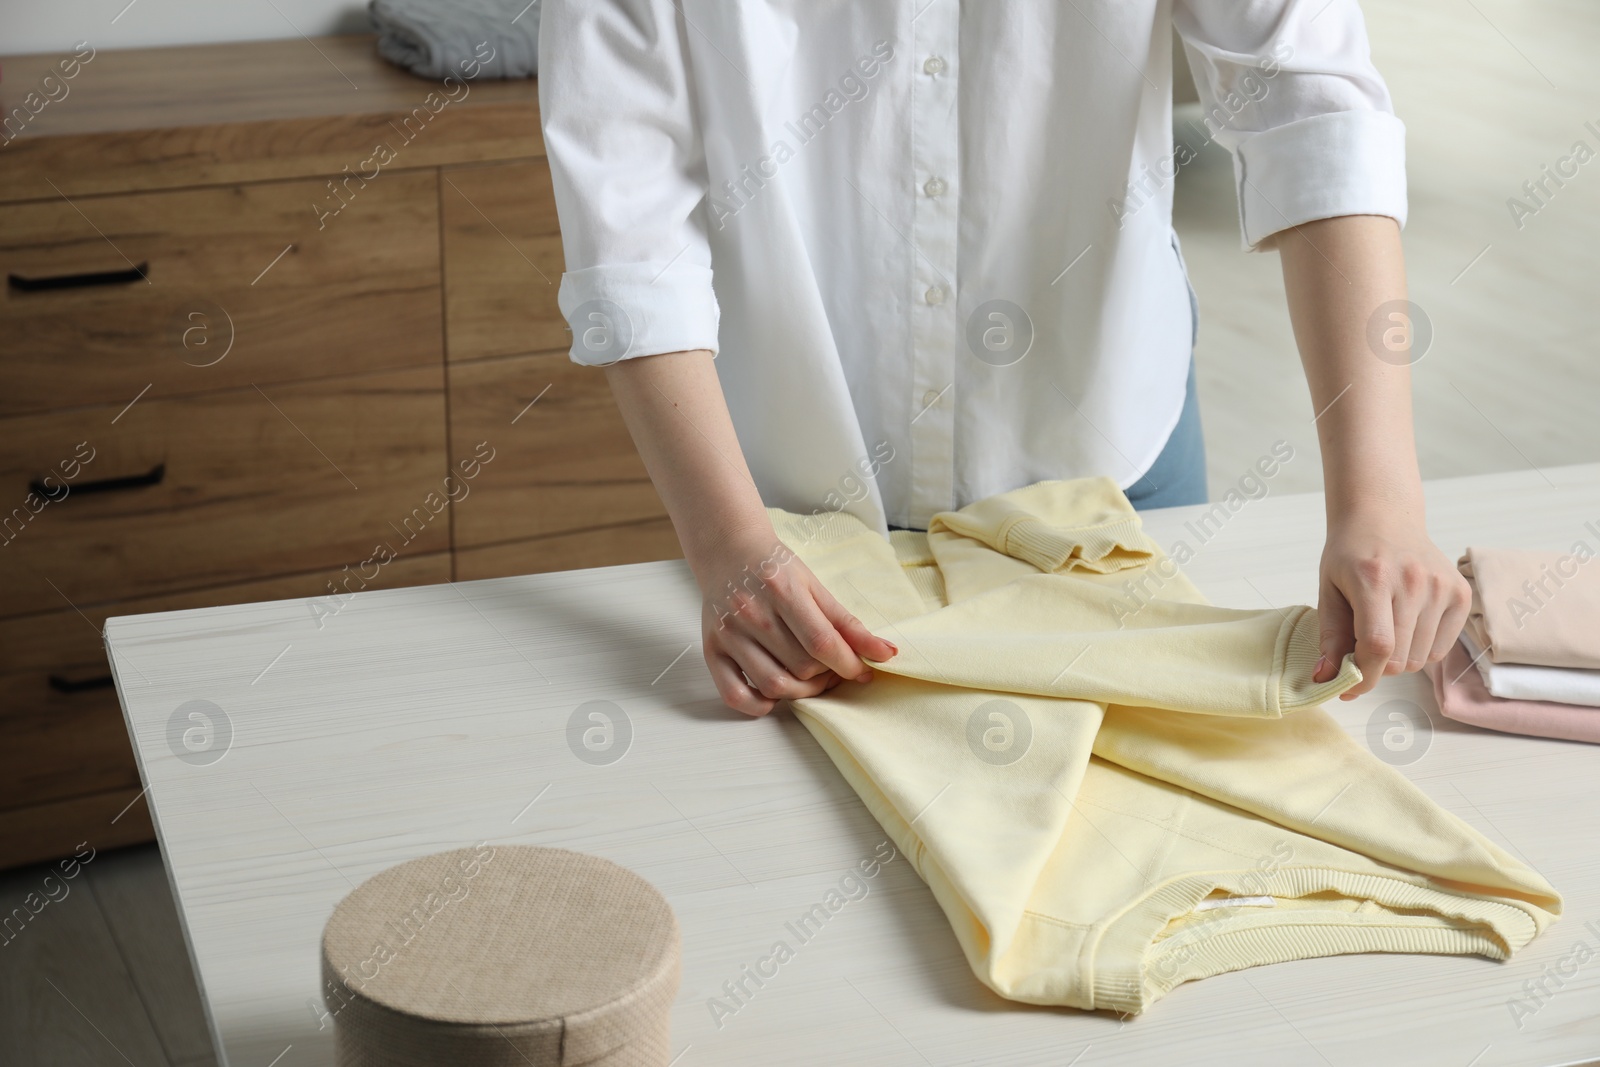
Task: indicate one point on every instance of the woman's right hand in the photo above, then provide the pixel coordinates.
(770, 630)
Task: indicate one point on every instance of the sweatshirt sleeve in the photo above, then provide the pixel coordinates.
(1290, 90)
(1061, 635)
(617, 106)
(1028, 612)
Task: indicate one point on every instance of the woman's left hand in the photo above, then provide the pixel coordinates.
(1388, 594)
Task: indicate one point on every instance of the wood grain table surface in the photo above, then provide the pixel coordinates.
(292, 749)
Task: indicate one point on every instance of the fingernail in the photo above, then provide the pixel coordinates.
(864, 676)
(1321, 663)
(893, 647)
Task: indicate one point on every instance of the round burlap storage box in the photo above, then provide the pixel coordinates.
(502, 955)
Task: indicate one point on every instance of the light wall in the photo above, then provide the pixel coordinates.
(54, 25)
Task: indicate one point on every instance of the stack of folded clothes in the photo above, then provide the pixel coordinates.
(1528, 661)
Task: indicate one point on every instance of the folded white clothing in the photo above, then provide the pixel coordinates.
(1517, 681)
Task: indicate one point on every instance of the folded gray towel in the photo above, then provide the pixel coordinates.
(434, 38)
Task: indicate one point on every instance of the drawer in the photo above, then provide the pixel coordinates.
(58, 828)
(188, 492)
(240, 284)
(566, 464)
(62, 728)
(502, 261)
(639, 542)
(61, 744)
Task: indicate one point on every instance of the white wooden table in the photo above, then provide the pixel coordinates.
(423, 719)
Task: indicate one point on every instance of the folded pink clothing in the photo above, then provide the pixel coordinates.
(1539, 608)
(1459, 689)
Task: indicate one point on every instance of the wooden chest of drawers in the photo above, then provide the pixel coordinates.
(235, 355)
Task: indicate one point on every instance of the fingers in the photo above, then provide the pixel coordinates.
(1336, 631)
(1411, 612)
(767, 675)
(1414, 649)
(764, 621)
(1425, 630)
(746, 650)
(862, 640)
(1372, 610)
(819, 635)
(752, 682)
(733, 689)
(788, 639)
(1457, 605)
(1445, 599)
(768, 626)
(1397, 616)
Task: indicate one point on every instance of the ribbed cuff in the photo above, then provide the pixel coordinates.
(1103, 549)
(638, 309)
(1345, 163)
(1299, 647)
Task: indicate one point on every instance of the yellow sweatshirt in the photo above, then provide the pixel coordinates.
(1113, 788)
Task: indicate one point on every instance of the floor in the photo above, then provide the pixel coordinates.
(98, 974)
(1490, 90)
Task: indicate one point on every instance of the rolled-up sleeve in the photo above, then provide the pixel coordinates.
(1290, 90)
(626, 161)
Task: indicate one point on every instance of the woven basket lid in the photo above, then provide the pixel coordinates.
(501, 954)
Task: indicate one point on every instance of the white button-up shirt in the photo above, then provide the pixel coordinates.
(931, 241)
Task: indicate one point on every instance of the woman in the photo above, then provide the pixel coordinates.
(928, 245)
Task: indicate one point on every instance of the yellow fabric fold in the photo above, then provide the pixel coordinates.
(1112, 794)
(1086, 525)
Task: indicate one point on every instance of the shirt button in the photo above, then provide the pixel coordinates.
(930, 398)
(934, 187)
(934, 295)
(933, 65)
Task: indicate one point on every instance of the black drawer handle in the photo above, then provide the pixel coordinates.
(85, 280)
(104, 485)
(67, 685)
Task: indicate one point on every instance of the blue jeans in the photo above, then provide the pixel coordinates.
(1178, 476)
